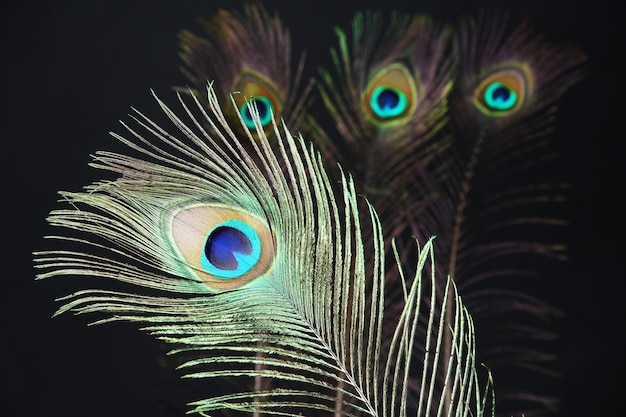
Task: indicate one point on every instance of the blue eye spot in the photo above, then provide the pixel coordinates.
(263, 106)
(500, 97)
(388, 102)
(232, 248)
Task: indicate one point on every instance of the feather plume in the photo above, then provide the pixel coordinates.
(498, 214)
(229, 255)
(248, 54)
(388, 100)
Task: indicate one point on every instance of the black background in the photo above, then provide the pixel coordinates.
(70, 70)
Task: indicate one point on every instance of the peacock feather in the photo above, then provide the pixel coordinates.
(248, 54)
(388, 102)
(205, 235)
(447, 132)
(500, 210)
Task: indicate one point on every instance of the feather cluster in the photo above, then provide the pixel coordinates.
(262, 266)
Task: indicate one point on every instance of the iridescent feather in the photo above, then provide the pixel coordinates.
(389, 103)
(388, 98)
(248, 54)
(498, 213)
(205, 235)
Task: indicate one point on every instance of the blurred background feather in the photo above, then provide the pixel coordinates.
(248, 52)
(100, 58)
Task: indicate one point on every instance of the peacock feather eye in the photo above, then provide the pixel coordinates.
(225, 247)
(390, 97)
(232, 248)
(263, 107)
(503, 92)
(254, 90)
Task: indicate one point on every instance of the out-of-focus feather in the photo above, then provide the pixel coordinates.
(498, 212)
(248, 54)
(231, 255)
(388, 98)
